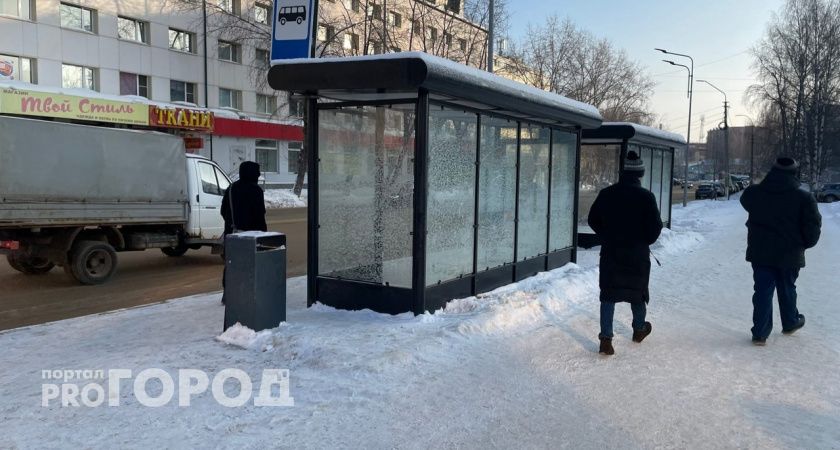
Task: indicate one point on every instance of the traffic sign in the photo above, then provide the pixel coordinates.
(292, 29)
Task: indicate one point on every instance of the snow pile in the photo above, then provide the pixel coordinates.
(241, 336)
(513, 368)
(285, 198)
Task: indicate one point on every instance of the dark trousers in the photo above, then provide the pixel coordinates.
(608, 313)
(783, 281)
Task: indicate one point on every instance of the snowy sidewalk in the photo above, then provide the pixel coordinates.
(516, 368)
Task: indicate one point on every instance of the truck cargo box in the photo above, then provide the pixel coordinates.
(59, 174)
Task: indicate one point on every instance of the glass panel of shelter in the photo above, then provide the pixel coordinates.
(533, 192)
(599, 168)
(563, 158)
(496, 192)
(667, 186)
(365, 195)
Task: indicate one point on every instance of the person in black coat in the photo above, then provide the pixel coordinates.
(625, 216)
(783, 222)
(247, 213)
(243, 205)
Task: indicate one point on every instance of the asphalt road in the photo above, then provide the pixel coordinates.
(141, 278)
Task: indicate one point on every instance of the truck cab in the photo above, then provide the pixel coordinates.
(206, 185)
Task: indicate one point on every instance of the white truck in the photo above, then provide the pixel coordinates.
(75, 195)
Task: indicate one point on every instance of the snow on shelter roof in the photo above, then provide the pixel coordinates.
(617, 131)
(401, 75)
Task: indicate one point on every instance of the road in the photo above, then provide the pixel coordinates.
(141, 278)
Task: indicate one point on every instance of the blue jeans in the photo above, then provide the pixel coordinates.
(768, 279)
(608, 312)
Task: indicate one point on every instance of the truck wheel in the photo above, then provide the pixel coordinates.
(175, 251)
(30, 266)
(92, 262)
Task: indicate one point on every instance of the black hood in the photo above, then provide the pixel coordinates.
(779, 180)
(249, 172)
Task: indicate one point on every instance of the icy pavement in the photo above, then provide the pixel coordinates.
(516, 368)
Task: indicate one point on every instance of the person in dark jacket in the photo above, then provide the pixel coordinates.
(625, 216)
(783, 221)
(243, 205)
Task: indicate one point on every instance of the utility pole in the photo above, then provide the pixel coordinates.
(491, 35)
(726, 179)
(206, 88)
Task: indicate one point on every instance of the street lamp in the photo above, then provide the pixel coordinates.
(752, 144)
(688, 131)
(727, 180)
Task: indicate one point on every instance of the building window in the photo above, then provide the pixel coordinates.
(297, 107)
(351, 42)
(374, 11)
(17, 8)
(374, 48)
(454, 6)
(326, 33)
(447, 38)
(394, 19)
(133, 30)
(294, 156)
(181, 91)
(228, 51)
(354, 5)
(133, 84)
(266, 155)
(262, 57)
(431, 34)
(17, 68)
(229, 98)
(229, 6)
(266, 104)
(395, 49)
(78, 77)
(182, 41)
(462, 44)
(262, 13)
(78, 18)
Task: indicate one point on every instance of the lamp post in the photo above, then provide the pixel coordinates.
(726, 180)
(688, 131)
(752, 145)
(491, 34)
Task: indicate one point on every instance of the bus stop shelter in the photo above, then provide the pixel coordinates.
(602, 158)
(430, 180)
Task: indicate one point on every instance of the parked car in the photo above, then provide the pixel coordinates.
(681, 183)
(828, 193)
(709, 190)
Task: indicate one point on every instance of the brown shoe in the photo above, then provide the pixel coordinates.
(640, 335)
(606, 346)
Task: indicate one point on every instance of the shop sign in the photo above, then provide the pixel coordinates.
(191, 119)
(45, 104)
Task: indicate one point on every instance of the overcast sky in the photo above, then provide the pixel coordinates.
(717, 33)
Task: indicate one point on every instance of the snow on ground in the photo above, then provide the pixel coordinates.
(284, 198)
(515, 368)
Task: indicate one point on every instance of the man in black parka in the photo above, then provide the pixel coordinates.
(625, 216)
(247, 211)
(783, 221)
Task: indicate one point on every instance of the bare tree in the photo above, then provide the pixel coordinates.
(798, 67)
(558, 56)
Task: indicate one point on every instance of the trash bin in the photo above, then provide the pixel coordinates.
(255, 279)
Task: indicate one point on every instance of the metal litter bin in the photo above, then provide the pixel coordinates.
(255, 279)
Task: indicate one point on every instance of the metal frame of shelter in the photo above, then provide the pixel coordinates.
(418, 87)
(626, 135)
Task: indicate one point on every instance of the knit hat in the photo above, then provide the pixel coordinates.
(633, 164)
(787, 164)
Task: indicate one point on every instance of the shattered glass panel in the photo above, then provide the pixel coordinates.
(656, 175)
(451, 197)
(563, 153)
(667, 187)
(496, 192)
(365, 195)
(598, 169)
(533, 192)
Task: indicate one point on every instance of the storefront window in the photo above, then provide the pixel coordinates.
(16, 68)
(451, 197)
(266, 155)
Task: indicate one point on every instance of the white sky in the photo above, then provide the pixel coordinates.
(718, 34)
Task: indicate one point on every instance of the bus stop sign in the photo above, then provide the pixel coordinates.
(292, 29)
